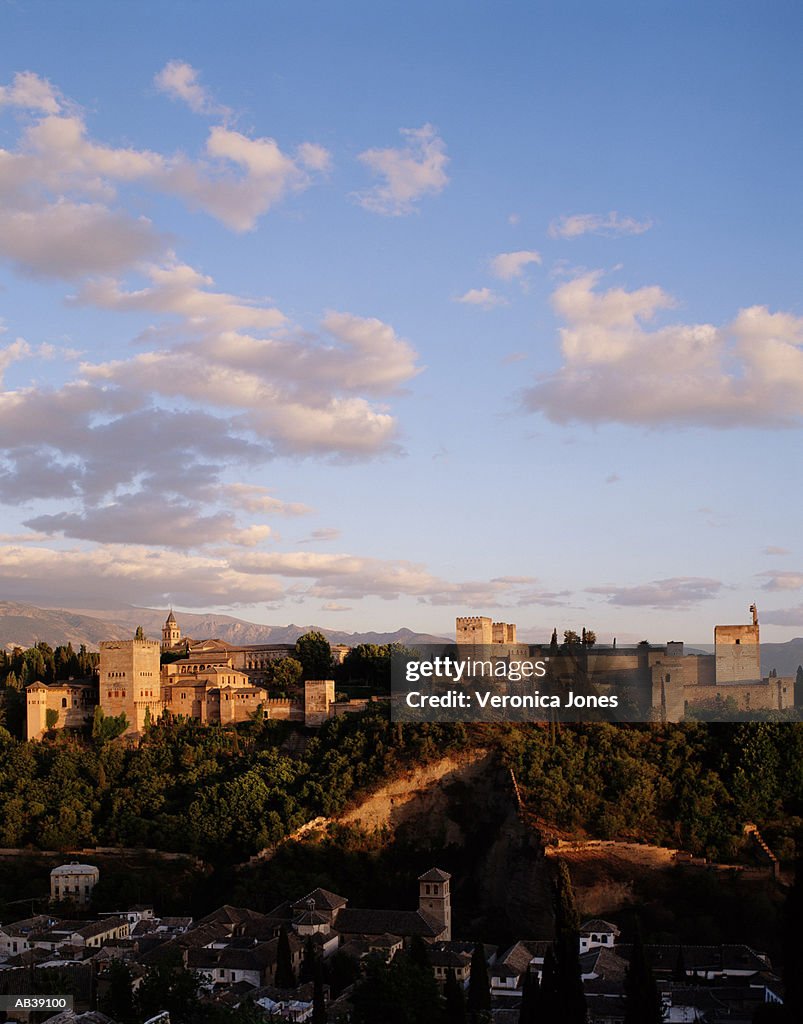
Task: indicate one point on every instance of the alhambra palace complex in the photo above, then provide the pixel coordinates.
(210, 680)
(673, 679)
(216, 682)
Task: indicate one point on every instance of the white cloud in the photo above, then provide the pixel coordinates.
(147, 517)
(68, 240)
(179, 289)
(680, 592)
(304, 394)
(148, 575)
(615, 369)
(410, 173)
(509, 265)
(142, 575)
(773, 549)
(485, 298)
(344, 576)
(180, 81)
(254, 498)
(30, 92)
(782, 580)
(611, 224)
(12, 353)
(783, 616)
(325, 533)
(236, 179)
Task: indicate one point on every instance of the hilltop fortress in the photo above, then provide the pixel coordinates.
(209, 680)
(213, 681)
(673, 680)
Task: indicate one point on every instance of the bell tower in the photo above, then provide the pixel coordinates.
(171, 634)
(435, 899)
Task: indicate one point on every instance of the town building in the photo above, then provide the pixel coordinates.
(73, 882)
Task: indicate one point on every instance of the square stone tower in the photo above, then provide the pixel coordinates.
(474, 629)
(435, 899)
(130, 680)
(319, 696)
(738, 654)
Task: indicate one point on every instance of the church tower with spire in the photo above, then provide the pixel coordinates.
(171, 634)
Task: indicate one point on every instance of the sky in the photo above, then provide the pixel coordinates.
(371, 315)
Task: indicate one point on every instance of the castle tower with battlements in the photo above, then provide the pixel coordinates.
(130, 681)
(479, 629)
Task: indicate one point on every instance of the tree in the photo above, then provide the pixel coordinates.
(396, 993)
(589, 637)
(569, 982)
(286, 674)
(140, 633)
(315, 655)
(799, 687)
(51, 718)
(479, 987)
(118, 1000)
(308, 962)
(370, 664)
(318, 997)
(570, 637)
(169, 986)
(642, 1001)
(343, 970)
(107, 727)
(418, 953)
(285, 975)
(792, 944)
(549, 1008)
(528, 1011)
(455, 1006)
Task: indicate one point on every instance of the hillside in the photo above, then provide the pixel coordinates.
(24, 625)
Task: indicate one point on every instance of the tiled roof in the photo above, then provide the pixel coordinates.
(733, 957)
(599, 926)
(356, 921)
(324, 900)
(434, 875)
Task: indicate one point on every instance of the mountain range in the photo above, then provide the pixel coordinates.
(23, 625)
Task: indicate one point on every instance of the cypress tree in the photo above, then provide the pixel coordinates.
(529, 1010)
(318, 998)
(418, 953)
(308, 962)
(479, 987)
(285, 975)
(549, 1008)
(642, 1001)
(792, 944)
(569, 984)
(455, 1008)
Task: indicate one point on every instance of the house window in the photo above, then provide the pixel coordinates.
(64, 702)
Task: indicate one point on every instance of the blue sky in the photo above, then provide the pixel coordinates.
(369, 315)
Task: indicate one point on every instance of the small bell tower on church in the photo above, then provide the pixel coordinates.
(171, 634)
(434, 898)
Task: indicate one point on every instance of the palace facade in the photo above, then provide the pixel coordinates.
(209, 680)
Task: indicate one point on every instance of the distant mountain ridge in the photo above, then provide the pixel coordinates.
(23, 625)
